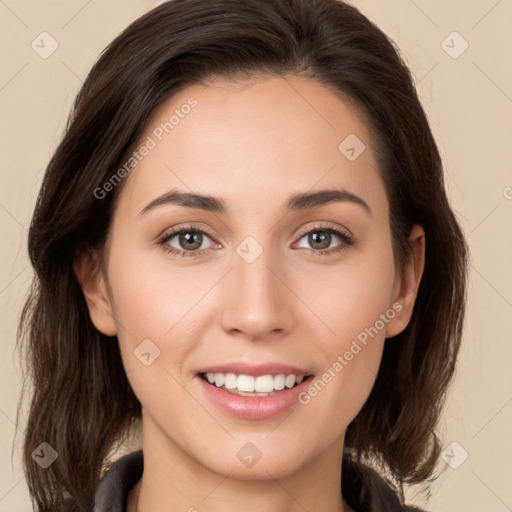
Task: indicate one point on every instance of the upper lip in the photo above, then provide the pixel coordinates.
(244, 368)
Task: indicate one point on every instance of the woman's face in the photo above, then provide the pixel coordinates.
(258, 283)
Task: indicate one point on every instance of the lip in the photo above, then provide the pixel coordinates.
(256, 370)
(253, 407)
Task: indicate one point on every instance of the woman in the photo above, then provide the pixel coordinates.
(244, 241)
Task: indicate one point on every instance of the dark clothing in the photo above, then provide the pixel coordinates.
(373, 494)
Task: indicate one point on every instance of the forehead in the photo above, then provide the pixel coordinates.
(265, 137)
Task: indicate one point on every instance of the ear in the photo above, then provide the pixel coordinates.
(92, 281)
(407, 284)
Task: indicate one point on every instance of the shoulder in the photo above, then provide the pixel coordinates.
(365, 490)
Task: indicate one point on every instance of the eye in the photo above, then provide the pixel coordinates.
(190, 241)
(320, 239)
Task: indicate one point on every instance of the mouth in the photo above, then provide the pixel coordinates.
(253, 386)
(253, 391)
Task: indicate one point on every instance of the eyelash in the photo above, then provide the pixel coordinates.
(347, 240)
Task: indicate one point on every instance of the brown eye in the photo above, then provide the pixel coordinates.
(320, 239)
(190, 240)
(186, 241)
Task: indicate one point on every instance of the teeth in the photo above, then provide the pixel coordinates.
(279, 381)
(247, 385)
(219, 379)
(264, 384)
(289, 381)
(230, 381)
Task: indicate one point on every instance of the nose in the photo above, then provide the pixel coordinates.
(257, 303)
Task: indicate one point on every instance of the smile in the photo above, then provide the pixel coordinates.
(253, 397)
(249, 385)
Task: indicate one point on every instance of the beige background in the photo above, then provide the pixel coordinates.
(469, 103)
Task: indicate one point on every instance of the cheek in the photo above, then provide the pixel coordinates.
(151, 295)
(349, 298)
(151, 312)
(160, 310)
(354, 306)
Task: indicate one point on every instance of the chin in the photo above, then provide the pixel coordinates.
(252, 458)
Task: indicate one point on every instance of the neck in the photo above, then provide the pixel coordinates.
(184, 484)
(132, 504)
(133, 501)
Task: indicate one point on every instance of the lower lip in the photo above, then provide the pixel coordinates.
(253, 407)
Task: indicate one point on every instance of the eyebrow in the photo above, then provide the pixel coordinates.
(300, 201)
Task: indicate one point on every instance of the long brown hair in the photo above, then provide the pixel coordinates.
(81, 401)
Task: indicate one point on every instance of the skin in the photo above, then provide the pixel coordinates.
(254, 144)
